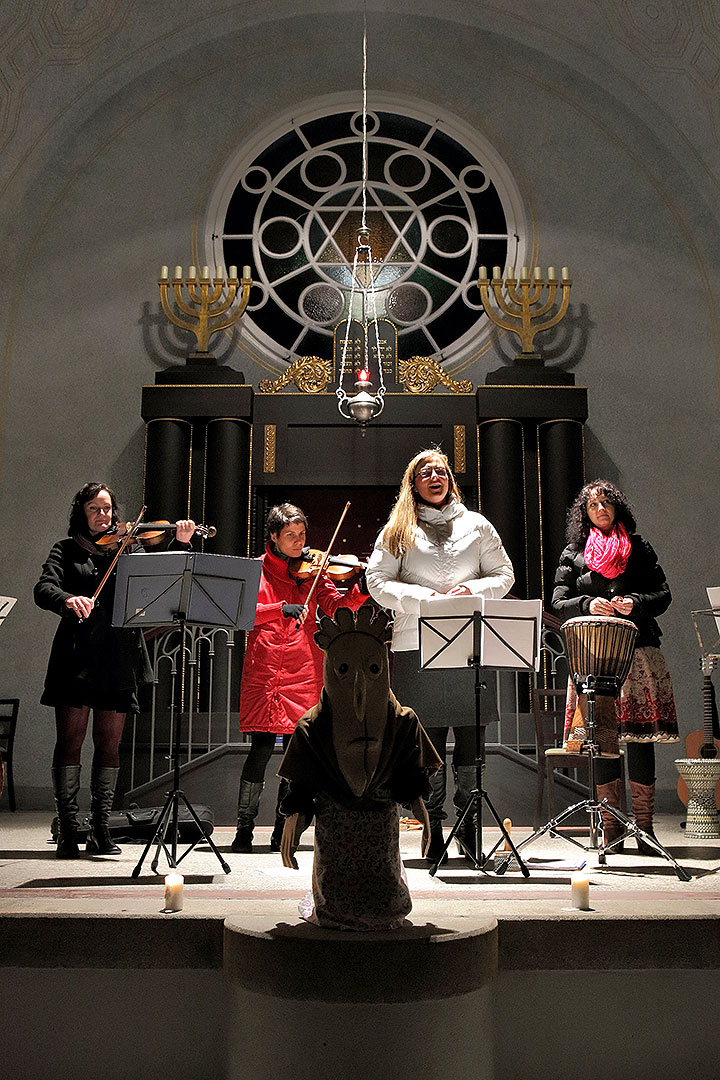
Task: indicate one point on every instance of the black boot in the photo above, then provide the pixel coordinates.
(436, 814)
(248, 806)
(66, 785)
(276, 836)
(102, 792)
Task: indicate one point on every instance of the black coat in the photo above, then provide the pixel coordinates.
(643, 581)
(91, 662)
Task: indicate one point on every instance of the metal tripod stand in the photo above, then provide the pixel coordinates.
(592, 686)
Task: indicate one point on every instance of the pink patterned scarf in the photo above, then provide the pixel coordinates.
(608, 553)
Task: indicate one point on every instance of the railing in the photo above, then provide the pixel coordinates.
(203, 676)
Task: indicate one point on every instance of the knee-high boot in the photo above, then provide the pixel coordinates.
(612, 828)
(248, 806)
(643, 804)
(66, 785)
(102, 792)
(465, 776)
(436, 814)
(276, 835)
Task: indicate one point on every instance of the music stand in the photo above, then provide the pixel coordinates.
(179, 588)
(471, 631)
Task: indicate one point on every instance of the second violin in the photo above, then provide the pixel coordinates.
(339, 568)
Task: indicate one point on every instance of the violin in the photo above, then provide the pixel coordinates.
(148, 533)
(339, 568)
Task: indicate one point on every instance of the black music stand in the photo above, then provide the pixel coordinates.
(173, 588)
(447, 640)
(597, 686)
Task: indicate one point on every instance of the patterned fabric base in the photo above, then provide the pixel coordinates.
(645, 710)
(358, 880)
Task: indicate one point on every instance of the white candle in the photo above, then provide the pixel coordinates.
(580, 885)
(565, 274)
(192, 273)
(174, 892)
(246, 273)
(482, 272)
(551, 273)
(497, 272)
(510, 275)
(205, 273)
(178, 272)
(163, 273)
(538, 273)
(218, 271)
(232, 273)
(524, 273)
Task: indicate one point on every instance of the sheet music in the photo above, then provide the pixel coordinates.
(7, 603)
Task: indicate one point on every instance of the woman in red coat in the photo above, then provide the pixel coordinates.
(283, 670)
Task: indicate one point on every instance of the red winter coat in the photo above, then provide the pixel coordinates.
(283, 670)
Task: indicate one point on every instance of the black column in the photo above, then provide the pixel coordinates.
(227, 485)
(167, 469)
(561, 472)
(502, 490)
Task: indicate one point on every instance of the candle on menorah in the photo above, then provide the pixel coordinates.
(204, 305)
(524, 306)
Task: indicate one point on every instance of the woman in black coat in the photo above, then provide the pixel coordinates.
(608, 569)
(93, 665)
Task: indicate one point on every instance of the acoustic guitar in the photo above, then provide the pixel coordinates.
(703, 744)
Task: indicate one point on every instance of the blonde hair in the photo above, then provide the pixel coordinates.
(399, 532)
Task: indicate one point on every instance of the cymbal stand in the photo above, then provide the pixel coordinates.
(592, 686)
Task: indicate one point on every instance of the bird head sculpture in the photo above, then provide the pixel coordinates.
(356, 677)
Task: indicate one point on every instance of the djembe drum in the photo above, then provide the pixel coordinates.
(600, 651)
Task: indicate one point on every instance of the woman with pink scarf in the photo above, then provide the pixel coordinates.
(607, 568)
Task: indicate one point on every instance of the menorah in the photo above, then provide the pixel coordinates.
(520, 308)
(207, 308)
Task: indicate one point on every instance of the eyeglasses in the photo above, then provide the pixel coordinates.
(427, 470)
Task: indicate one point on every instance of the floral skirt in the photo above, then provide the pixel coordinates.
(645, 710)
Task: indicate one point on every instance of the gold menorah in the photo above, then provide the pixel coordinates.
(205, 305)
(519, 313)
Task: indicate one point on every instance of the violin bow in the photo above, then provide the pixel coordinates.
(323, 564)
(118, 553)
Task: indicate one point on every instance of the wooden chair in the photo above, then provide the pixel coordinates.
(549, 713)
(8, 722)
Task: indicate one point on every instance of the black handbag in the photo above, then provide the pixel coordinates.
(140, 823)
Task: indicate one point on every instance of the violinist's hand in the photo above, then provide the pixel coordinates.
(459, 590)
(294, 611)
(292, 831)
(80, 605)
(600, 606)
(623, 605)
(184, 531)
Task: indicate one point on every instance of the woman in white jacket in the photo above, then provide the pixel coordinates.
(432, 544)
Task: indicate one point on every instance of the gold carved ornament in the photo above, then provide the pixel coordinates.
(421, 374)
(311, 375)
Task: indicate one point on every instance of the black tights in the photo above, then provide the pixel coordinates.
(640, 759)
(464, 752)
(262, 744)
(71, 723)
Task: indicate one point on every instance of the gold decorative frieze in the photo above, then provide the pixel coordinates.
(269, 448)
(459, 448)
(421, 374)
(311, 375)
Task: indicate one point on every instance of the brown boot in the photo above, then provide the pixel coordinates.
(643, 804)
(612, 828)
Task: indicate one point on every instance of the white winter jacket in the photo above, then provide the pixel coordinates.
(453, 546)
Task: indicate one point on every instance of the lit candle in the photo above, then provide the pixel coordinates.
(497, 272)
(565, 274)
(205, 276)
(482, 272)
(178, 271)
(524, 273)
(246, 273)
(163, 273)
(537, 273)
(192, 273)
(174, 892)
(580, 885)
(218, 271)
(363, 376)
(551, 274)
(232, 273)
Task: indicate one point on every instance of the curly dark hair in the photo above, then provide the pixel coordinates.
(282, 515)
(78, 523)
(579, 524)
